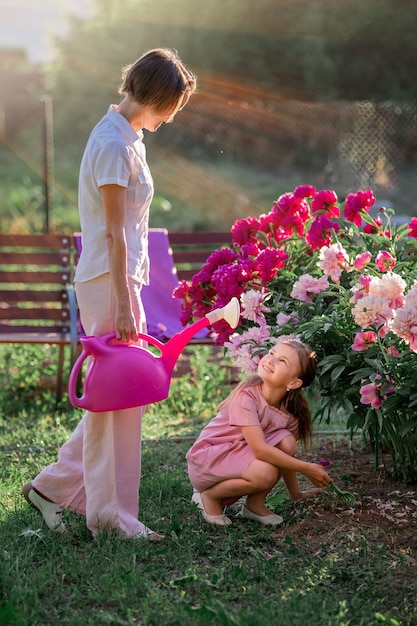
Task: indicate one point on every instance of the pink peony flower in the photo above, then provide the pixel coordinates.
(384, 261)
(307, 284)
(362, 260)
(333, 260)
(372, 311)
(283, 318)
(390, 286)
(363, 341)
(252, 305)
(241, 347)
(405, 321)
(369, 395)
(392, 351)
(361, 289)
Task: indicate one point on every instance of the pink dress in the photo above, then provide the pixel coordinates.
(221, 451)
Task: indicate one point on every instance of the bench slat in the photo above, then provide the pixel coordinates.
(22, 334)
(33, 277)
(33, 313)
(199, 238)
(44, 241)
(61, 259)
(33, 295)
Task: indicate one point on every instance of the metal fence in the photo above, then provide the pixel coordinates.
(341, 145)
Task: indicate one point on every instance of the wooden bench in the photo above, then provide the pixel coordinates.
(37, 300)
(191, 249)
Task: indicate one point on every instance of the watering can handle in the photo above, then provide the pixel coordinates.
(154, 342)
(72, 382)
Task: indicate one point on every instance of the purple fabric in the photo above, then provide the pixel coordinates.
(162, 310)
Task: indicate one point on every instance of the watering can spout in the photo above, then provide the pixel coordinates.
(230, 313)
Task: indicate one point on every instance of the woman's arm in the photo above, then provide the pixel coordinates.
(114, 204)
(255, 439)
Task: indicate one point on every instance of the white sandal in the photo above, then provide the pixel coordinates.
(217, 520)
(50, 511)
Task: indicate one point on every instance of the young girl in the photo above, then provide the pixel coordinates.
(252, 441)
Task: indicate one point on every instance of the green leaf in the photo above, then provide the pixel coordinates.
(336, 373)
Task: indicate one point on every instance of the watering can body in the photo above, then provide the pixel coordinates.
(121, 375)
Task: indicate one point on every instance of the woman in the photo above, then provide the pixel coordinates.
(98, 470)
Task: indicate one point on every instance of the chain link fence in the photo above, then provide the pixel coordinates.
(229, 136)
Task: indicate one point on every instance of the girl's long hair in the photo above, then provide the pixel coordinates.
(295, 401)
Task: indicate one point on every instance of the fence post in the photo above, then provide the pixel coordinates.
(48, 154)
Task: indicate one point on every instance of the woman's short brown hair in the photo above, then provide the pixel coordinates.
(159, 79)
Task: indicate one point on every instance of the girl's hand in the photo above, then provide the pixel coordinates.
(303, 495)
(317, 475)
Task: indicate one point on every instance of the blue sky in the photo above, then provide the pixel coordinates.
(32, 24)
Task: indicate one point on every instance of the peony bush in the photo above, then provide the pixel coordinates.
(341, 280)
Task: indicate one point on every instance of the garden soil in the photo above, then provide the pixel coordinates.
(383, 506)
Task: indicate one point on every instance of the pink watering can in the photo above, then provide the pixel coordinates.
(123, 375)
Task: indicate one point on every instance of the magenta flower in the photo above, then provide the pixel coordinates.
(321, 232)
(231, 280)
(250, 249)
(245, 230)
(363, 341)
(290, 212)
(304, 191)
(325, 200)
(384, 261)
(375, 227)
(412, 228)
(268, 262)
(357, 202)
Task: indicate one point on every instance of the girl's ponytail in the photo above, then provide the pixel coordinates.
(295, 401)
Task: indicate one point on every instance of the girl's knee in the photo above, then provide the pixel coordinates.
(261, 475)
(288, 445)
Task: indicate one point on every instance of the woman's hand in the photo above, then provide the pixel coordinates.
(125, 326)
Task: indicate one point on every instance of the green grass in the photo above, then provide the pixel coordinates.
(242, 575)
